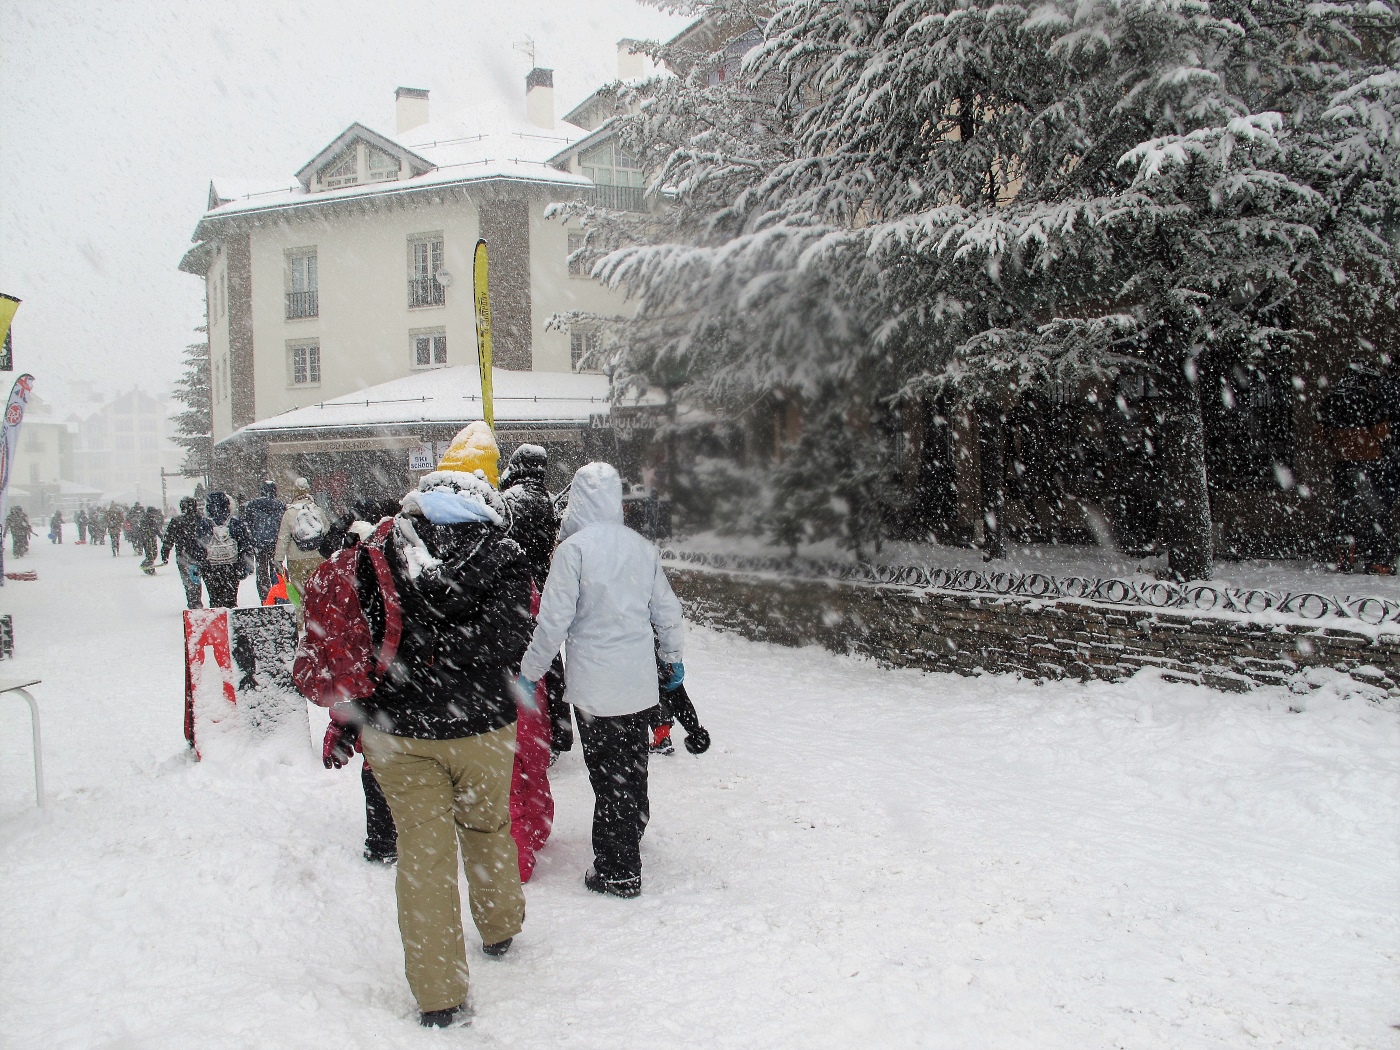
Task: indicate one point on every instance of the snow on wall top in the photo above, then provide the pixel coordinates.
(452, 395)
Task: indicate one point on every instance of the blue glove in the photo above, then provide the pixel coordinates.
(526, 688)
(677, 676)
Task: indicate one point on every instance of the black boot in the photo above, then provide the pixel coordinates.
(452, 1017)
(624, 888)
(498, 949)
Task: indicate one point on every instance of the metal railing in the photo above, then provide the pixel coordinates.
(618, 198)
(1151, 594)
(425, 291)
(302, 304)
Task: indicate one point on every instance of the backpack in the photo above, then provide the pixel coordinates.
(308, 527)
(336, 658)
(222, 548)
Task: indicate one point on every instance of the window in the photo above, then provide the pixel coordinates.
(424, 264)
(382, 167)
(617, 177)
(429, 348)
(343, 171)
(147, 424)
(121, 423)
(304, 364)
(302, 285)
(124, 441)
(576, 268)
(148, 441)
(581, 341)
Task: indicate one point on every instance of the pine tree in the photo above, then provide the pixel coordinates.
(194, 426)
(899, 197)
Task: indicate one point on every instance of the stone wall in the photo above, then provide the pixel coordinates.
(938, 631)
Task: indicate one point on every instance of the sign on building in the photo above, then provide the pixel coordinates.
(420, 457)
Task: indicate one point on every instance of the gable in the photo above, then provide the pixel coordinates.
(358, 156)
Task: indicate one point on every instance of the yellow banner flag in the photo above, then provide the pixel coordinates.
(482, 295)
(8, 305)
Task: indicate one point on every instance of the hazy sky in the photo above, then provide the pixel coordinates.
(114, 115)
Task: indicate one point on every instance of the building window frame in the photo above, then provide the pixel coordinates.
(425, 261)
(301, 280)
(583, 339)
(303, 363)
(427, 349)
(577, 239)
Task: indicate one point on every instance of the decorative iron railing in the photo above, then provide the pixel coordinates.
(302, 304)
(1151, 594)
(425, 291)
(618, 198)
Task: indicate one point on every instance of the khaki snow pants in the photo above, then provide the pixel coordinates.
(299, 570)
(443, 793)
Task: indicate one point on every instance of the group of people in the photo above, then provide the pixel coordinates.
(483, 584)
(216, 549)
(99, 526)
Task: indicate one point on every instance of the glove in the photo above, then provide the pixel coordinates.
(677, 676)
(526, 689)
(697, 741)
(340, 745)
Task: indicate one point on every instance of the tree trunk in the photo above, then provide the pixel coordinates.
(1185, 523)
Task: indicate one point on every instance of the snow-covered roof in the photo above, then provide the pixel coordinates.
(451, 395)
(486, 141)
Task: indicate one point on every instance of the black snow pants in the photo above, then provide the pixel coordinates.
(222, 583)
(381, 839)
(561, 726)
(615, 751)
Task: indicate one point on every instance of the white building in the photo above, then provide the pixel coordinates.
(360, 274)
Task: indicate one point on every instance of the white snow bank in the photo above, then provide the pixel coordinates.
(864, 856)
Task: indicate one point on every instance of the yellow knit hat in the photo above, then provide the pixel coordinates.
(474, 448)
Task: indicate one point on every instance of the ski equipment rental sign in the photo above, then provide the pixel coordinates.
(8, 305)
(481, 293)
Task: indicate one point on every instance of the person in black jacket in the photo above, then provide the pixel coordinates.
(263, 516)
(534, 524)
(224, 551)
(439, 730)
(182, 537)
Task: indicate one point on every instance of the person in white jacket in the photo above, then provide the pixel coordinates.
(605, 593)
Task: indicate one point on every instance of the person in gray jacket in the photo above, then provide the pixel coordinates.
(605, 593)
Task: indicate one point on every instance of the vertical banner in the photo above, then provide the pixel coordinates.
(8, 305)
(9, 444)
(482, 294)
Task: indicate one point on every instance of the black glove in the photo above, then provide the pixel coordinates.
(697, 740)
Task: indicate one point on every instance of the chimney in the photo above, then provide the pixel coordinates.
(410, 108)
(539, 97)
(631, 64)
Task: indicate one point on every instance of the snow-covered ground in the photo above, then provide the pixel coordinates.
(865, 858)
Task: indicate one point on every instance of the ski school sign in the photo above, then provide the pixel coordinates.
(238, 676)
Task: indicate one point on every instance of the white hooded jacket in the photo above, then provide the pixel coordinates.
(605, 592)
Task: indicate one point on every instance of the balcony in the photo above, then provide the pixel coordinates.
(425, 291)
(618, 198)
(302, 304)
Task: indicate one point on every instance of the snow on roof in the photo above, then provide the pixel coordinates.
(482, 142)
(452, 395)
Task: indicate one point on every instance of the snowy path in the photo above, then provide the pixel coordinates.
(865, 858)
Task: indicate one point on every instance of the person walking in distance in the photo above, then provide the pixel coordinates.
(263, 516)
(439, 729)
(80, 520)
(152, 525)
(182, 537)
(605, 594)
(225, 551)
(56, 527)
(299, 538)
(116, 521)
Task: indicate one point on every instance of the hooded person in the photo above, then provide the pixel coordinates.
(439, 730)
(224, 551)
(535, 526)
(299, 537)
(263, 516)
(605, 595)
(152, 525)
(182, 538)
